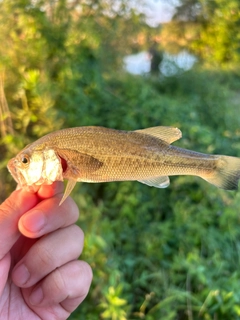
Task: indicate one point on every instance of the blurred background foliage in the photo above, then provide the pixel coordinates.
(156, 254)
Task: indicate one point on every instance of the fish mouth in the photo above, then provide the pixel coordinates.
(12, 168)
(16, 174)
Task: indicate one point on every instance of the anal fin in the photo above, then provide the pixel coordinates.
(157, 182)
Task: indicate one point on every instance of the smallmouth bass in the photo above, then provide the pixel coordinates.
(98, 154)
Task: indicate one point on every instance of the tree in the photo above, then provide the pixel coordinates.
(54, 56)
(208, 29)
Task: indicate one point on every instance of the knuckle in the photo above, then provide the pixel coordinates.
(8, 206)
(58, 281)
(44, 255)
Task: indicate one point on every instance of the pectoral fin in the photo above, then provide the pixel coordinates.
(77, 163)
(157, 182)
(68, 190)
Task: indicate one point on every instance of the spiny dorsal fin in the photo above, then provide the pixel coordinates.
(168, 134)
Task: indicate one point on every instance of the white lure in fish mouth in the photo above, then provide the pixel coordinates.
(36, 168)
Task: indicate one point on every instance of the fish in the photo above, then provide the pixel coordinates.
(98, 154)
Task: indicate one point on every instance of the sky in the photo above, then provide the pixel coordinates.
(159, 11)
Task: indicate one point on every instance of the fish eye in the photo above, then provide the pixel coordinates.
(25, 159)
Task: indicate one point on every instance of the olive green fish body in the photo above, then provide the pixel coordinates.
(97, 154)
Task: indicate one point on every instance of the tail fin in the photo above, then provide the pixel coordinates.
(226, 173)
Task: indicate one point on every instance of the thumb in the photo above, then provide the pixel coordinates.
(11, 210)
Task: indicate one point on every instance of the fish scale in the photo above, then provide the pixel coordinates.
(98, 154)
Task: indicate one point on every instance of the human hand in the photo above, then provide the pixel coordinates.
(40, 274)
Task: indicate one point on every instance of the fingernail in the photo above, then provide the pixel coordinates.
(34, 221)
(21, 274)
(36, 296)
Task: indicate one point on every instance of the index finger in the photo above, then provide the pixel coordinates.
(11, 210)
(18, 203)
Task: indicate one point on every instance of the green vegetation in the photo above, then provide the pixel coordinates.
(156, 254)
(209, 29)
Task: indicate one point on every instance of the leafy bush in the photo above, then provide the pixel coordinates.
(156, 254)
(172, 253)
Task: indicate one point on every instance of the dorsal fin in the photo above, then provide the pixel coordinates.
(167, 134)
